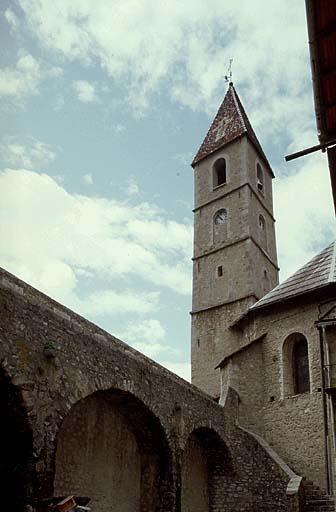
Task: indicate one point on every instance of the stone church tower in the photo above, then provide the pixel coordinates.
(235, 261)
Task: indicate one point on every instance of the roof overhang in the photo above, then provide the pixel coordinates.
(321, 21)
(240, 350)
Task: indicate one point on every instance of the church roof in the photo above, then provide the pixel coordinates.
(317, 273)
(231, 122)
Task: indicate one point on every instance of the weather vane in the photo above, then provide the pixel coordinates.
(228, 77)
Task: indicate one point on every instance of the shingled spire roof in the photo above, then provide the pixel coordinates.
(230, 123)
(317, 273)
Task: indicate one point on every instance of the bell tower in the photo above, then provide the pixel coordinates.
(235, 261)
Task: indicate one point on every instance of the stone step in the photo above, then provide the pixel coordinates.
(318, 508)
(321, 503)
(316, 499)
(319, 496)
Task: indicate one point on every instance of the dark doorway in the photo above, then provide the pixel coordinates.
(15, 447)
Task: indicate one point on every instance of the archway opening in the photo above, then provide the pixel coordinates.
(16, 443)
(112, 449)
(205, 463)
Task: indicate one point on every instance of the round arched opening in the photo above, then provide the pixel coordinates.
(205, 463)
(219, 172)
(112, 449)
(16, 442)
(295, 365)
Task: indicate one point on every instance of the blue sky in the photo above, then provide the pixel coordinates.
(103, 106)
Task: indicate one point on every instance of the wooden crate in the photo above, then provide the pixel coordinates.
(66, 504)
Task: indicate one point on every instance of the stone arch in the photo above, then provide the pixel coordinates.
(206, 462)
(295, 365)
(112, 448)
(16, 447)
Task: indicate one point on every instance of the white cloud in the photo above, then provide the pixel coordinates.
(59, 178)
(85, 91)
(29, 153)
(186, 46)
(152, 350)
(148, 337)
(108, 302)
(181, 369)
(21, 80)
(149, 330)
(55, 72)
(11, 18)
(132, 188)
(88, 179)
(304, 213)
(82, 234)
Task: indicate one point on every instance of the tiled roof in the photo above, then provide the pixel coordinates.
(317, 273)
(230, 123)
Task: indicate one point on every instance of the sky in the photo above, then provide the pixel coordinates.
(103, 106)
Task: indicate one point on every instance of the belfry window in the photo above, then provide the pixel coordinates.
(219, 172)
(260, 179)
(220, 226)
(295, 360)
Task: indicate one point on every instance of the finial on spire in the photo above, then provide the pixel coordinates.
(228, 77)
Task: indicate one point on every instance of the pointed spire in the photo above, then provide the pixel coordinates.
(230, 123)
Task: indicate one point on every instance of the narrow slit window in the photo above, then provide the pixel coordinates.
(220, 271)
(261, 223)
(262, 232)
(265, 282)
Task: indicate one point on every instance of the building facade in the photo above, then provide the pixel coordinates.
(84, 414)
(235, 261)
(273, 344)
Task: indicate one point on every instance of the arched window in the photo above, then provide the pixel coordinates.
(262, 232)
(260, 178)
(295, 362)
(220, 226)
(301, 367)
(219, 172)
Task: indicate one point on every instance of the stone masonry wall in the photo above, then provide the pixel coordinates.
(211, 339)
(292, 425)
(195, 490)
(57, 360)
(96, 438)
(236, 173)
